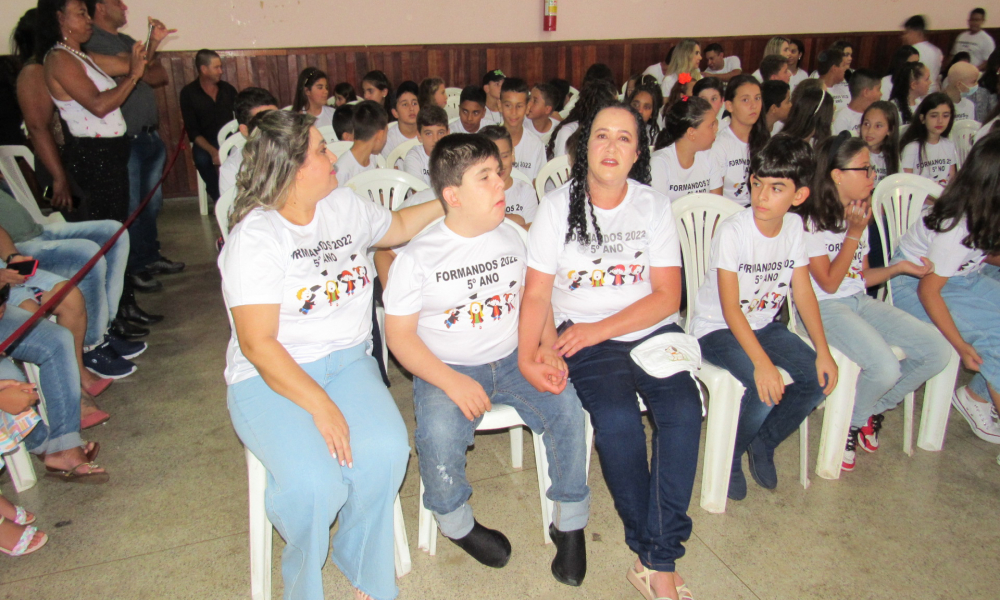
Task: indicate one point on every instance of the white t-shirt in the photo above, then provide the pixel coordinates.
(729, 63)
(935, 163)
(559, 147)
(419, 198)
(529, 125)
(418, 163)
(674, 181)
(348, 166)
(656, 70)
(951, 258)
(667, 85)
(979, 46)
(465, 289)
(529, 154)
(828, 243)
(758, 76)
(393, 139)
(846, 119)
(881, 169)
(491, 117)
(229, 168)
(325, 118)
(965, 109)
(984, 130)
(318, 273)
(841, 95)
(797, 78)
(763, 266)
(522, 200)
(457, 126)
(592, 281)
(930, 56)
(886, 87)
(733, 157)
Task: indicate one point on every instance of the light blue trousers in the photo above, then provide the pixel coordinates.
(864, 329)
(307, 489)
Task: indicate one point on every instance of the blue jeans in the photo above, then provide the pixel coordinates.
(974, 304)
(63, 249)
(772, 424)
(444, 434)
(208, 171)
(864, 329)
(307, 489)
(145, 167)
(51, 348)
(651, 496)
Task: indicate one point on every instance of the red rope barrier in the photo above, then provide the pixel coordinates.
(75, 279)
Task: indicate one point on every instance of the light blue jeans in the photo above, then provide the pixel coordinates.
(444, 435)
(63, 249)
(307, 489)
(974, 304)
(49, 346)
(864, 329)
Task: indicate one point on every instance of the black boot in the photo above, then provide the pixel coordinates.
(128, 308)
(143, 282)
(488, 546)
(570, 564)
(122, 329)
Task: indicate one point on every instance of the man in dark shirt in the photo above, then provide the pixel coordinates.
(148, 154)
(207, 105)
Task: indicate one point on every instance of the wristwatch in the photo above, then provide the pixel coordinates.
(12, 255)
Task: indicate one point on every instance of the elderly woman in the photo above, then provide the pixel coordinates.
(604, 257)
(305, 395)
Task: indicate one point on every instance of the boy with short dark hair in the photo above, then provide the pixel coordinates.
(719, 65)
(471, 110)
(541, 105)
(528, 149)
(757, 255)
(432, 125)
(492, 83)
(831, 68)
(866, 89)
(776, 102)
(774, 68)
(343, 122)
(405, 112)
(247, 104)
(452, 305)
(915, 34)
(371, 126)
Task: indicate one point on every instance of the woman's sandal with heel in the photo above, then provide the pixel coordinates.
(641, 582)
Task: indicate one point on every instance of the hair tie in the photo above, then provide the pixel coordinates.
(822, 98)
(684, 98)
(684, 78)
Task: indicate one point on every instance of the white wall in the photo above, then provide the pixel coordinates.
(234, 24)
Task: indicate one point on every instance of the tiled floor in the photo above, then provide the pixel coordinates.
(172, 523)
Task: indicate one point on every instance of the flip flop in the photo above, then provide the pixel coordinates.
(23, 545)
(21, 518)
(99, 386)
(73, 476)
(91, 454)
(93, 419)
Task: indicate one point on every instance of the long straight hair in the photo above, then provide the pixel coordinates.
(905, 75)
(890, 145)
(811, 115)
(682, 59)
(307, 78)
(917, 131)
(654, 91)
(681, 117)
(823, 211)
(759, 134)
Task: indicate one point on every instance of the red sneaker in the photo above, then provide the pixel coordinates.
(868, 440)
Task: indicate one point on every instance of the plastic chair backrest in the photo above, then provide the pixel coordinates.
(387, 187)
(329, 134)
(451, 111)
(399, 152)
(962, 133)
(339, 148)
(223, 208)
(453, 120)
(896, 205)
(697, 217)
(19, 185)
(515, 174)
(233, 142)
(574, 95)
(227, 130)
(557, 170)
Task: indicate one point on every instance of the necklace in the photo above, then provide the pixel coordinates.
(73, 51)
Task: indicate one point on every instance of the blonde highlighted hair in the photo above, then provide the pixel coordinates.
(682, 60)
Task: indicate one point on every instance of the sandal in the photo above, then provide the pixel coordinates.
(22, 517)
(73, 476)
(641, 582)
(95, 449)
(23, 545)
(93, 419)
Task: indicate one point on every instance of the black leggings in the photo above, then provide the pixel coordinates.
(100, 167)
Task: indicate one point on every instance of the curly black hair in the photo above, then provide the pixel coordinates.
(579, 188)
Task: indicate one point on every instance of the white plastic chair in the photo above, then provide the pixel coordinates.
(233, 142)
(399, 152)
(227, 130)
(19, 185)
(261, 532)
(329, 134)
(962, 134)
(574, 95)
(557, 170)
(223, 208)
(520, 176)
(896, 205)
(387, 187)
(202, 194)
(698, 217)
(22, 471)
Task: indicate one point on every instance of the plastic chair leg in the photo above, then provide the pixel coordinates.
(544, 483)
(401, 544)
(260, 531)
(804, 454)
(723, 417)
(517, 447)
(908, 424)
(588, 434)
(22, 472)
(937, 405)
(837, 419)
(202, 197)
(426, 526)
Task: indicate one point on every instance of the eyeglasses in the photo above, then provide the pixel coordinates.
(870, 170)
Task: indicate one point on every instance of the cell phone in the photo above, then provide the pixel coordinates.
(564, 326)
(149, 39)
(26, 267)
(4, 294)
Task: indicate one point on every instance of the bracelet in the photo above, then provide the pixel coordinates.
(856, 239)
(12, 255)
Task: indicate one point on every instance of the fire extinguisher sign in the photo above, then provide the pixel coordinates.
(549, 20)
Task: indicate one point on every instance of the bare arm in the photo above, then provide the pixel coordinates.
(770, 386)
(38, 109)
(383, 260)
(537, 335)
(257, 331)
(408, 222)
(728, 74)
(808, 307)
(67, 79)
(929, 292)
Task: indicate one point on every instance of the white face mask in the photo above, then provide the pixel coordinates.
(970, 91)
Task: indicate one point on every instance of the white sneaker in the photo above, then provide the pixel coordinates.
(981, 416)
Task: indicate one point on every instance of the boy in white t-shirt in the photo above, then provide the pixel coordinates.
(247, 104)
(541, 104)
(405, 112)
(719, 65)
(866, 89)
(452, 306)
(371, 126)
(471, 109)
(757, 255)
(528, 148)
(492, 83)
(522, 201)
(975, 41)
(432, 125)
(914, 34)
(831, 70)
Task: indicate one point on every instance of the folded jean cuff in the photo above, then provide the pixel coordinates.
(458, 523)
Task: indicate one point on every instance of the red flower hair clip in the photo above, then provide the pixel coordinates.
(684, 78)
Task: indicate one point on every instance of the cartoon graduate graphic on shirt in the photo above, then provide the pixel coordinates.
(332, 291)
(476, 313)
(347, 278)
(618, 274)
(496, 307)
(635, 271)
(452, 317)
(308, 298)
(362, 272)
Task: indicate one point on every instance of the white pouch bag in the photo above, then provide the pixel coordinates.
(667, 354)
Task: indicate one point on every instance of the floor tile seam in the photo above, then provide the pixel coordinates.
(725, 564)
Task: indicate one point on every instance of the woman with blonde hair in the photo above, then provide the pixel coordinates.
(777, 45)
(685, 59)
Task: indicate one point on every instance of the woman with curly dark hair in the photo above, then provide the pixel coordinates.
(604, 258)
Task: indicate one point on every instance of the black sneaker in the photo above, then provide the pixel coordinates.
(164, 266)
(762, 464)
(105, 362)
(488, 546)
(570, 564)
(144, 282)
(125, 348)
(737, 484)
